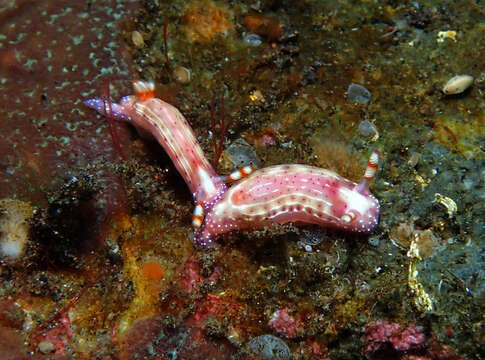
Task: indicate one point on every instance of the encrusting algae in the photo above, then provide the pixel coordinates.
(14, 229)
(204, 20)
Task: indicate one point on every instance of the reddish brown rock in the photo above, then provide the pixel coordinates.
(155, 338)
(54, 54)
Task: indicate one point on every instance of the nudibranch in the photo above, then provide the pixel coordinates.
(297, 194)
(153, 117)
(278, 194)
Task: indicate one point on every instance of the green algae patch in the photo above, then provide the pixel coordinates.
(463, 134)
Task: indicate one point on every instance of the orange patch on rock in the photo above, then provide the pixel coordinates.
(263, 25)
(204, 20)
(152, 270)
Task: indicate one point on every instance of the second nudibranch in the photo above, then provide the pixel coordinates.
(294, 194)
(155, 117)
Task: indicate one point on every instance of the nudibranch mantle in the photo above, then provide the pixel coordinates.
(291, 193)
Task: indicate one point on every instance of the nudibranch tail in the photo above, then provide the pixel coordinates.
(174, 133)
(104, 107)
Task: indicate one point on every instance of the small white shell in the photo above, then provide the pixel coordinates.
(458, 84)
(182, 75)
(447, 202)
(137, 39)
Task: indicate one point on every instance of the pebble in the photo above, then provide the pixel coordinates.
(137, 39)
(413, 160)
(14, 229)
(448, 203)
(253, 39)
(46, 347)
(426, 242)
(458, 84)
(368, 130)
(402, 234)
(240, 154)
(256, 95)
(358, 94)
(312, 237)
(374, 241)
(322, 104)
(269, 347)
(182, 75)
(449, 34)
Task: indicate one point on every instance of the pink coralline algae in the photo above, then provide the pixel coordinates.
(191, 279)
(156, 337)
(58, 335)
(312, 349)
(190, 275)
(274, 195)
(386, 334)
(285, 324)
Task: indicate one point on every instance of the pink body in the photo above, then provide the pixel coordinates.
(274, 195)
(291, 193)
(169, 127)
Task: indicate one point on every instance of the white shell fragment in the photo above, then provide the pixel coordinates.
(458, 84)
(182, 75)
(137, 39)
(450, 34)
(447, 202)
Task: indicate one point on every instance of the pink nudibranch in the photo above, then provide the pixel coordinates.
(169, 127)
(291, 193)
(275, 195)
